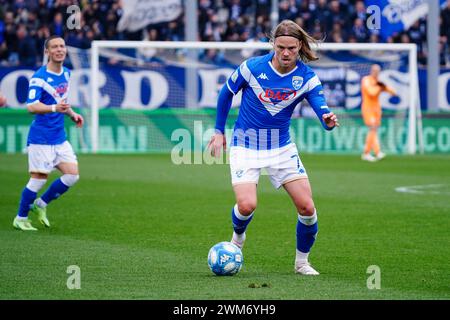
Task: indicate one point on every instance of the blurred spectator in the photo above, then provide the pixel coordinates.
(212, 56)
(337, 35)
(43, 12)
(41, 35)
(337, 14)
(360, 11)
(322, 15)
(445, 32)
(360, 31)
(57, 27)
(26, 49)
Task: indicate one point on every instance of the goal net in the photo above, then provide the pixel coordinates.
(149, 96)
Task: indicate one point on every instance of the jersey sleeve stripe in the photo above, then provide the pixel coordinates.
(245, 71)
(231, 90)
(36, 82)
(310, 85)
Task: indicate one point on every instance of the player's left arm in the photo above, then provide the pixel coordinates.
(75, 117)
(386, 88)
(390, 90)
(318, 102)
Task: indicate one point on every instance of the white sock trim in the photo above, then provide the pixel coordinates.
(301, 256)
(41, 203)
(36, 184)
(239, 237)
(308, 220)
(69, 179)
(239, 215)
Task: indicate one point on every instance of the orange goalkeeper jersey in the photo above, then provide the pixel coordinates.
(371, 107)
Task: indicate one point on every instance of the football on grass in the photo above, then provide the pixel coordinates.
(225, 259)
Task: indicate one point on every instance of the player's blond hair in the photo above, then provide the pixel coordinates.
(291, 29)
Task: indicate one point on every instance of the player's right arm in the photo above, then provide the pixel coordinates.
(234, 83)
(34, 105)
(40, 108)
(218, 140)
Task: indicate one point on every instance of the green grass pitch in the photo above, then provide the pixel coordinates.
(140, 227)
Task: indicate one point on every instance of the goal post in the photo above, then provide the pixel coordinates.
(412, 113)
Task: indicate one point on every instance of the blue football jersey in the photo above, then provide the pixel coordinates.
(48, 88)
(269, 99)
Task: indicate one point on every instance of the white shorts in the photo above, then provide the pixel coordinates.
(44, 158)
(281, 164)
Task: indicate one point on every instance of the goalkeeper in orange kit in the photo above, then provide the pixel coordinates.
(371, 88)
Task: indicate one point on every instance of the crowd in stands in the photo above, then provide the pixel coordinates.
(25, 24)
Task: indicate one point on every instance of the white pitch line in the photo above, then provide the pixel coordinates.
(422, 189)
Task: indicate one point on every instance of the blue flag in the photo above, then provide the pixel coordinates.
(399, 15)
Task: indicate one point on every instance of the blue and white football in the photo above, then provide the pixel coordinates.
(225, 259)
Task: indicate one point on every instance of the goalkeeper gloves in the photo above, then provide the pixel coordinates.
(381, 84)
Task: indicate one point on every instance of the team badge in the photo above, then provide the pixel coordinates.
(297, 82)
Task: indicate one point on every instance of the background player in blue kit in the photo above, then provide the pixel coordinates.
(47, 143)
(272, 85)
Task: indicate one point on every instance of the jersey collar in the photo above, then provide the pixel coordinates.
(56, 74)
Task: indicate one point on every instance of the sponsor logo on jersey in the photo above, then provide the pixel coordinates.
(297, 82)
(276, 95)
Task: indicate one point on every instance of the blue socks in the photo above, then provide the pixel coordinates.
(240, 222)
(26, 201)
(56, 189)
(29, 194)
(306, 232)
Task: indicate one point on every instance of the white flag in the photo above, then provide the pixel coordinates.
(137, 14)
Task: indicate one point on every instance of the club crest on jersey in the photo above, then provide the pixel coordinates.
(297, 82)
(61, 89)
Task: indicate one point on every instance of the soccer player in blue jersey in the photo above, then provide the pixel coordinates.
(47, 143)
(272, 85)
